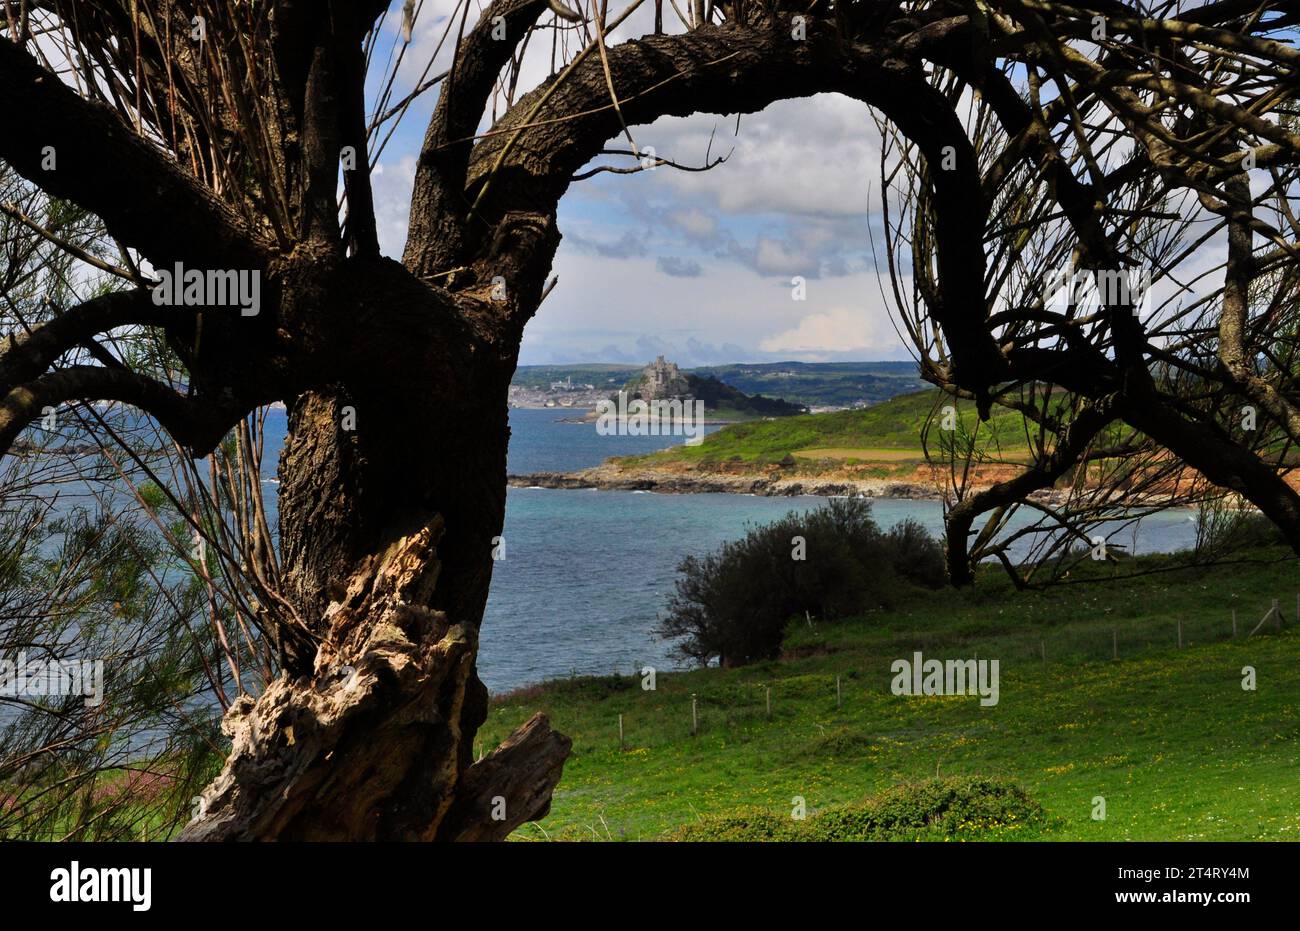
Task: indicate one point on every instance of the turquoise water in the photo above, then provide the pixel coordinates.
(586, 573)
(540, 441)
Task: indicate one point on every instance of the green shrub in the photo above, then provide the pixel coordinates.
(967, 808)
(917, 554)
(743, 826)
(935, 809)
(1232, 531)
(733, 605)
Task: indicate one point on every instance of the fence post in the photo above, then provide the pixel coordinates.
(837, 691)
(695, 716)
(620, 732)
(768, 690)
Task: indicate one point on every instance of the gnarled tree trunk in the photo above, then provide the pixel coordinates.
(372, 743)
(393, 491)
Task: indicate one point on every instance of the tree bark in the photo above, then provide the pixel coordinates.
(392, 492)
(368, 745)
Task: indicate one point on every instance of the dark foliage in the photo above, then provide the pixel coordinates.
(733, 605)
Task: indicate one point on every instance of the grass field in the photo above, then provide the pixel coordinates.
(866, 453)
(1167, 735)
(893, 427)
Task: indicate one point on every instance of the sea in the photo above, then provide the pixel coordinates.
(587, 574)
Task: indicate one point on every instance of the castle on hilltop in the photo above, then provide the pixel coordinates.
(661, 379)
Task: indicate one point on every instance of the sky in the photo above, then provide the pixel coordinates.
(696, 266)
(701, 267)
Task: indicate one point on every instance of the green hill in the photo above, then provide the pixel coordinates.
(1167, 736)
(540, 377)
(721, 401)
(892, 427)
(806, 384)
(820, 384)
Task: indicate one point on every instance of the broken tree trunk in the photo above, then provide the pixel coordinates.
(366, 747)
(520, 774)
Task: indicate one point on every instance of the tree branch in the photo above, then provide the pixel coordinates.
(519, 172)
(1233, 353)
(1069, 449)
(197, 423)
(102, 164)
(26, 355)
(439, 209)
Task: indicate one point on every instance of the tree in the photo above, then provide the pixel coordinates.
(1110, 143)
(210, 136)
(109, 657)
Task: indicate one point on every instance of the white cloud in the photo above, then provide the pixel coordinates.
(773, 257)
(843, 329)
(812, 156)
(693, 221)
(615, 309)
(391, 183)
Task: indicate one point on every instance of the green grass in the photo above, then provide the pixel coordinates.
(896, 424)
(1166, 735)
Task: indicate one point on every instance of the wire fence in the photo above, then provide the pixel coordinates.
(1069, 647)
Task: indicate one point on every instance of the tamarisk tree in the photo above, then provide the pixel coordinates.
(230, 142)
(1131, 175)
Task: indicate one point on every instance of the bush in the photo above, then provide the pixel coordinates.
(935, 809)
(1222, 531)
(968, 808)
(912, 547)
(733, 605)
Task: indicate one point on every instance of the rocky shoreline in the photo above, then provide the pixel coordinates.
(611, 478)
(660, 481)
